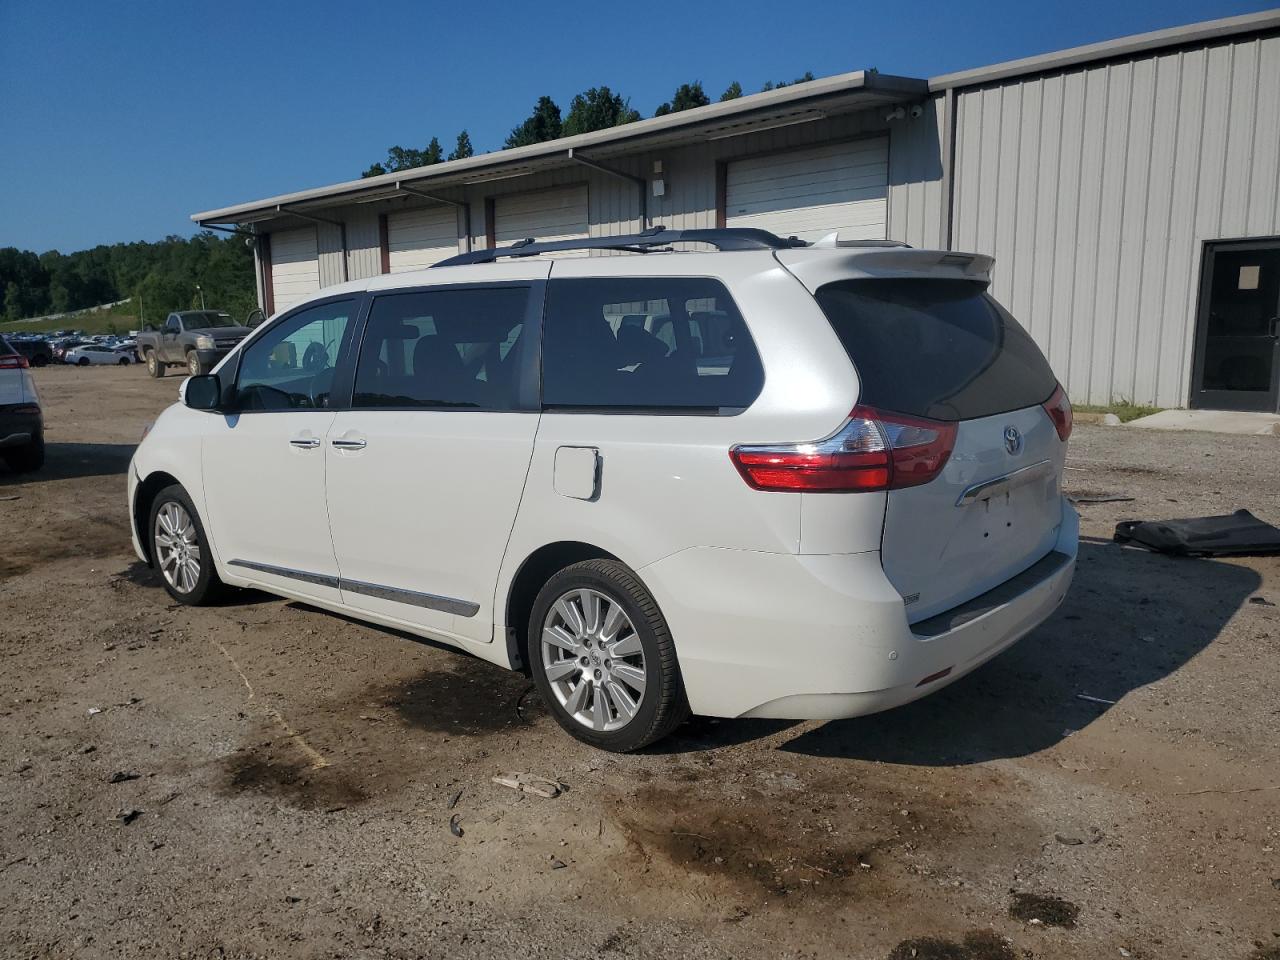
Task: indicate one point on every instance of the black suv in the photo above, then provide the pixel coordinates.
(38, 352)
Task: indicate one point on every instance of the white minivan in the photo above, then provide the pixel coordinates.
(764, 479)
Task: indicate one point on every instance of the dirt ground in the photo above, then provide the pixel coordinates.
(262, 779)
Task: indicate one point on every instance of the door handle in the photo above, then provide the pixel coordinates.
(305, 442)
(1274, 329)
(343, 444)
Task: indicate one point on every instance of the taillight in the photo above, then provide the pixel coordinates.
(874, 450)
(1059, 409)
(14, 362)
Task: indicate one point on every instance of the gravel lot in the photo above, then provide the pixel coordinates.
(292, 771)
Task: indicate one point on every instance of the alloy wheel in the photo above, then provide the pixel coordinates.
(593, 659)
(177, 547)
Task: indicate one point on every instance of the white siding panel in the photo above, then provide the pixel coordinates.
(420, 238)
(557, 214)
(810, 193)
(1123, 172)
(295, 266)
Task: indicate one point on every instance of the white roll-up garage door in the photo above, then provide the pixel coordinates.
(419, 238)
(810, 192)
(295, 266)
(559, 214)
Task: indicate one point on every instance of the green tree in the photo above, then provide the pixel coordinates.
(731, 92)
(463, 149)
(598, 108)
(13, 301)
(433, 154)
(804, 78)
(375, 170)
(687, 96)
(541, 125)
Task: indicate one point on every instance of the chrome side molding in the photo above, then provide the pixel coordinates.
(320, 579)
(461, 608)
(1002, 485)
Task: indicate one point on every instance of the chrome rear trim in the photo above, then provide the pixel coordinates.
(320, 579)
(1002, 485)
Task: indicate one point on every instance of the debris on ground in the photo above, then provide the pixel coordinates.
(1047, 910)
(1230, 534)
(122, 776)
(94, 711)
(531, 783)
(976, 945)
(1089, 699)
(1068, 841)
(455, 826)
(1261, 601)
(1099, 498)
(127, 817)
(557, 864)
(453, 800)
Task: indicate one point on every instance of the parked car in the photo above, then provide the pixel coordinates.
(196, 339)
(95, 353)
(128, 349)
(60, 347)
(37, 351)
(777, 480)
(21, 420)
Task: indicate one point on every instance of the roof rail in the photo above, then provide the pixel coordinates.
(726, 238)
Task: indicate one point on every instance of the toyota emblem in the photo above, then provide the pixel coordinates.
(1012, 440)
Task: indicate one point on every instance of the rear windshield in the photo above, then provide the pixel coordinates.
(206, 319)
(941, 349)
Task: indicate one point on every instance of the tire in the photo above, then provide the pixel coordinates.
(26, 459)
(40, 361)
(82, 362)
(122, 362)
(195, 588)
(194, 366)
(154, 366)
(661, 706)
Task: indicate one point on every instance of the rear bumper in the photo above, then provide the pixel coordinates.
(830, 636)
(18, 429)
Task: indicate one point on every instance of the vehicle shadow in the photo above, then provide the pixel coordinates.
(67, 461)
(1130, 618)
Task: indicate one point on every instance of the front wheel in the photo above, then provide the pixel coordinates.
(154, 366)
(123, 362)
(603, 659)
(194, 367)
(180, 549)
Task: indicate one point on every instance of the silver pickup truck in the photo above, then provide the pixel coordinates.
(195, 339)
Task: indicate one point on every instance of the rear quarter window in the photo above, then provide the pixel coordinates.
(662, 344)
(942, 349)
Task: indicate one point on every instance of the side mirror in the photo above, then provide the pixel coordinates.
(203, 392)
(256, 316)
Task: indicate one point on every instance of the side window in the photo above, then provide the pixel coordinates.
(674, 343)
(172, 325)
(443, 348)
(291, 365)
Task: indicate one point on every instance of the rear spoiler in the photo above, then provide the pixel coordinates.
(814, 268)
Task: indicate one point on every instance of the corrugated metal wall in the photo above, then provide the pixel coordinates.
(1096, 189)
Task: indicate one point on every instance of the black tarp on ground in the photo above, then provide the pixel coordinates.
(1235, 533)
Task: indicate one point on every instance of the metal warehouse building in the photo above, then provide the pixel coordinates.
(1129, 190)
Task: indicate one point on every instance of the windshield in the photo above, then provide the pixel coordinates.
(203, 319)
(936, 348)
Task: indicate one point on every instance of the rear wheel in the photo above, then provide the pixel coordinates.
(26, 459)
(154, 366)
(83, 362)
(603, 658)
(180, 549)
(123, 362)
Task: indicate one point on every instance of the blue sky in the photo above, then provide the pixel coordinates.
(118, 120)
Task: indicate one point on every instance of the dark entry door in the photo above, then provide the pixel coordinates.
(1237, 359)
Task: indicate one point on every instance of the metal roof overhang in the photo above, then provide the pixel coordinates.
(798, 103)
